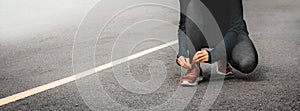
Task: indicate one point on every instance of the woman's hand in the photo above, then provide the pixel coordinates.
(184, 62)
(201, 56)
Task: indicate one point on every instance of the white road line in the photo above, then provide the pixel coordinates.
(63, 81)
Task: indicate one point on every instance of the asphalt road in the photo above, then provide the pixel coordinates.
(34, 54)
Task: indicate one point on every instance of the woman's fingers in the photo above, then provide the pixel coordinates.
(196, 56)
(182, 59)
(184, 62)
(179, 62)
(201, 56)
(202, 59)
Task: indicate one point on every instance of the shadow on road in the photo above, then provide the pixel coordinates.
(259, 74)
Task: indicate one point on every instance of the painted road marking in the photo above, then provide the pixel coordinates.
(63, 81)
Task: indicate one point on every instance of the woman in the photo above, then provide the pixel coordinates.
(240, 51)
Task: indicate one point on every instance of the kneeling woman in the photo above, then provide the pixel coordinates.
(240, 51)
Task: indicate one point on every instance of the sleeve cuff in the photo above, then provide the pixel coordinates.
(176, 60)
(209, 57)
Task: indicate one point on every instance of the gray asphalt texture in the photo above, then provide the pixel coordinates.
(47, 56)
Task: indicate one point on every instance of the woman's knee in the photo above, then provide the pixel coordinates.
(247, 65)
(244, 55)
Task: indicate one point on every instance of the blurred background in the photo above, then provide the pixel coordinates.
(36, 39)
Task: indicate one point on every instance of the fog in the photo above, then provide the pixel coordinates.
(20, 19)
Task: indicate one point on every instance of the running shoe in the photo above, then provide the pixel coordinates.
(192, 76)
(224, 68)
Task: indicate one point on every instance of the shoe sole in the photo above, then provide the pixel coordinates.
(225, 74)
(188, 84)
(222, 73)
